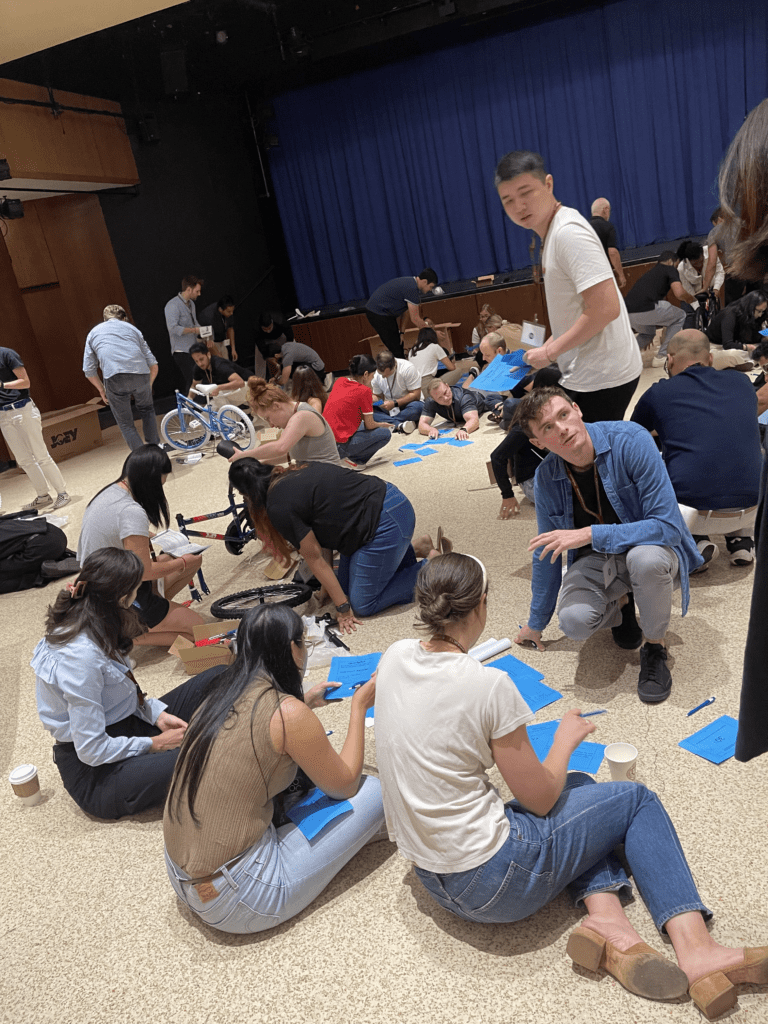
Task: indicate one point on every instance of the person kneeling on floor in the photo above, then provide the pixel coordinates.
(603, 496)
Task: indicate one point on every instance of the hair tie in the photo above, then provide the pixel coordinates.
(485, 574)
(76, 590)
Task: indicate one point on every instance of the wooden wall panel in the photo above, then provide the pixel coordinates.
(462, 310)
(47, 311)
(32, 263)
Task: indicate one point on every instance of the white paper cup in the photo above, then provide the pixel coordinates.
(25, 784)
(622, 761)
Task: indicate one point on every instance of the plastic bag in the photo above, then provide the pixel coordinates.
(322, 642)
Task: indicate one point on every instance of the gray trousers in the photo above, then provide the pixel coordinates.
(119, 389)
(664, 314)
(649, 572)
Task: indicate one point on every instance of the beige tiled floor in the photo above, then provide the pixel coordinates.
(92, 932)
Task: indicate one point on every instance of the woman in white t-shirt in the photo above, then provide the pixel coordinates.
(442, 722)
(426, 355)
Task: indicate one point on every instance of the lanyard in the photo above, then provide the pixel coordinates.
(390, 381)
(599, 514)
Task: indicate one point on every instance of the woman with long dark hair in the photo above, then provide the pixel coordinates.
(115, 747)
(739, 325)
(426, 355)
(226, 859)
(443, 721)
(349, 411)
(317, 508)
(120, 516)
(306, 387)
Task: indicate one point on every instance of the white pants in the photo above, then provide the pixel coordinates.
(239, 397)
(23, 433)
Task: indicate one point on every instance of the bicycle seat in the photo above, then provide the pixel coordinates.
(203, 389)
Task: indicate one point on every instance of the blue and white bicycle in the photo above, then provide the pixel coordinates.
(189, 426)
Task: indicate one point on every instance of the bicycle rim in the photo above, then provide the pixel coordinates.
(236, 427)
(236, 605)
(192, 436)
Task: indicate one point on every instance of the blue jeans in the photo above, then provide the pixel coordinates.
(487, 400)
(384, 571)
(410, 412)
(364, 444)
(572, 847)
(283, 872)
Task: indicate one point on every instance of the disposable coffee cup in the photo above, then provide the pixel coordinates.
(622, 761)
(26, 784)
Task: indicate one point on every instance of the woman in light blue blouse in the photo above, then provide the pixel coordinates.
(115, 747)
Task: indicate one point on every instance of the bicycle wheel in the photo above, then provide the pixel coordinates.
(236, 427)
(235, 606)
(188, 438)
(233, 532)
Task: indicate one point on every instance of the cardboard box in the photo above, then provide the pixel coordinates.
(197, 659)
(72, 431)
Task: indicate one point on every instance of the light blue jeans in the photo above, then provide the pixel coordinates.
(364, 444)
(283, 872)
(410, 412)
(572, 847)
(384, 571)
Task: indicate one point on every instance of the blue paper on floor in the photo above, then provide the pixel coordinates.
(502, 373)
(411, 447)
(536, 694)
(458, 444)
(312, 813)
(426, 450)
(406, 462)
(369, 717)
(350, 672)
(587, 757)
(716, 742)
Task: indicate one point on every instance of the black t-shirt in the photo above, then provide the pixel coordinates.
(585, 480)
(211, 317)
(269, 343)
(463, 402)
(606, 232)
(219, 371)
(651, 288)
(341, 507)
(9, 361)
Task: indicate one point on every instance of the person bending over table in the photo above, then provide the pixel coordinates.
(119, 516)
(398, 384)
(115, 747)
(349, 410)
(226, 375)
(306, 435)
(225, 858)
(305, 387)
(442, 722)
(319, 509)
(604, 497)
(455, 404)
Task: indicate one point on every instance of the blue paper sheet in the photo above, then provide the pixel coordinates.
(411, 447)
(369, 714)
(502, 373)
(425, 450)
(536, 694)
(587, 757)
(716, 742)
(350, 672)
(406, 462)
(763, 417)
(458, 444)
(312, 813)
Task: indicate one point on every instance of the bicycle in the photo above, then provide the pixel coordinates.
(189, 426)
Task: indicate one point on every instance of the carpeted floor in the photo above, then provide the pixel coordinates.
(92, 932)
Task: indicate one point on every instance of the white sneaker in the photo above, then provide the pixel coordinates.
(61, 500)
(405, 428)
(708, 550)
(658, 361)
(351, 465)
(41, 501)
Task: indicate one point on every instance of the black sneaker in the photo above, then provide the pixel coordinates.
(741, 550)
(58, 570)
(655, 682)
(628, 635)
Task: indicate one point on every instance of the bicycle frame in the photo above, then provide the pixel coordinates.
(205, 413)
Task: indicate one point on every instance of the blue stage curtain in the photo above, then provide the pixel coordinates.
(386, 171)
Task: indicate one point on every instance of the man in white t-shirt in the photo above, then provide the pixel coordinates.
(397, 385)
(591, 340)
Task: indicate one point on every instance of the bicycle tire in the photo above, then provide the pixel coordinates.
(233, 544)
(236, 427)
(234, 606)
(187, 440)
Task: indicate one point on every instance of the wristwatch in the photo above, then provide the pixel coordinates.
(342, 609)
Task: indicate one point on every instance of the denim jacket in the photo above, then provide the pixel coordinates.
(637, 484)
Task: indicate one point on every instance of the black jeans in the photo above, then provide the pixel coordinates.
(608, 404)
(129, 786)
(388, 329)
(186, 364)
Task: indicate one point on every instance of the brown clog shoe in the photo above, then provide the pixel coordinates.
(715, 992)
(640, 969)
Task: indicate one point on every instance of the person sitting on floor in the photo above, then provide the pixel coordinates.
(443, 721)
(88, 699)
(349, 410)
(227, 859)
(453, 403)
(427, 355)
(481, 328)
(397, 384)
(604, 497)
(491, 402)
(706, 421)
(228, 377)
(306, 435)
(739, 325)
(317, 509)
(305, 387)
(119, 516)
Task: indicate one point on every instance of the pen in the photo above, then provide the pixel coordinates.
(704, 704)
(588, 714)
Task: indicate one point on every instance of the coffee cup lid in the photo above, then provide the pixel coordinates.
(23, 773)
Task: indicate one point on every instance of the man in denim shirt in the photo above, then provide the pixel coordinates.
(604, 496)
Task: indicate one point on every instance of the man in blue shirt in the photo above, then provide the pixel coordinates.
(183, 326)
(604, 497)
(706, 420)
(128, 369)
(391, 300)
